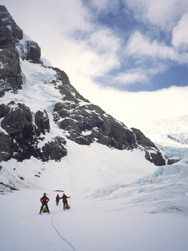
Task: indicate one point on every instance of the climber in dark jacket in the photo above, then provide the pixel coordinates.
(44, 200)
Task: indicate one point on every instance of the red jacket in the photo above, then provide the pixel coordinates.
(64, 197)
(44, 199)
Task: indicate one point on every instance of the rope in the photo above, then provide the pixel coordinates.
(60, 234)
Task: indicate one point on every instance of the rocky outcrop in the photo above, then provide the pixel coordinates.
(152, 153)
(32, 51)
(23, 131)
(42, 122)
(18, 122)
(155, 157)
(6, 39)
(142, 139)
(10, 71)
(4, 109)
(8, 148)
(89, 123)
(54, 150)
(6, 20)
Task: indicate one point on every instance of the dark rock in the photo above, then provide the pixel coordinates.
(6, 38)
(18, 123)
(172, 161)
(10, 73)
(69, 124)
(61, 110)
(119, 136)
(142, 139)
(69, 93)
(33, 51)
(8, 149)
(6, 20)
(155, 157)
(23, 134)
(54, 150)
(78, 120)
(152, 153)
(42, 122)
(4, 109)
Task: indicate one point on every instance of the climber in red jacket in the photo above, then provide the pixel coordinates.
(44, 200)
(57, 199)
(65, 202)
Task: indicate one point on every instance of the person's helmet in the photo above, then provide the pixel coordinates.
(44, 194)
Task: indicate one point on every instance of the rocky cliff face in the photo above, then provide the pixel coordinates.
(23, 131)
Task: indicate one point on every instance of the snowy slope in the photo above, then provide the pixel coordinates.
(116, 204)
(119, 201)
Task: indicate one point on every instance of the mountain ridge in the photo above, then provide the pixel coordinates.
(23, 131)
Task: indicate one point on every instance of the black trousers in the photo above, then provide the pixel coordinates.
(46, 205)
(65, 204)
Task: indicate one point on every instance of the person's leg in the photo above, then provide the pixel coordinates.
(47, 208)
(66, 204)
(41, 208)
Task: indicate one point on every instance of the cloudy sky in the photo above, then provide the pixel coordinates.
(127, 56)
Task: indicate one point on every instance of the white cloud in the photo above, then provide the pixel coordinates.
(62, 15)
(135, 109)
(164, 14)
(139, 45)
(180, 34)
(103, 40)
(131, 78)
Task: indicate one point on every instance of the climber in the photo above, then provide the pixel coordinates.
(44, 200)
(57, 199)
(65, 202)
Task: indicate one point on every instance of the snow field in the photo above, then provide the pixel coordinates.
(116, 204)
(90, 224)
